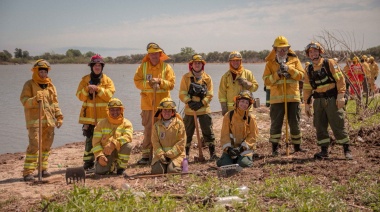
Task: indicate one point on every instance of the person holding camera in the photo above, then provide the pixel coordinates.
(239, 133)
(196, 91)
(283, 71)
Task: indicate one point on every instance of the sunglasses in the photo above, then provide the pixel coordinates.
(312, 45)
(168, 104)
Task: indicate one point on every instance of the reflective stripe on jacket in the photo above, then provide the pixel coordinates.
(229, 88)
(106, 89)
(185, 97)
(51, 110)
(145, 72)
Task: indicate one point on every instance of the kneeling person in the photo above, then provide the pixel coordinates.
(168, 139)
(239, 133)
(112, 140)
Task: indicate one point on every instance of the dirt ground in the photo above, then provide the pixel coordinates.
(17, 195)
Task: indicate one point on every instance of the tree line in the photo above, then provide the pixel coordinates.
(74, 56)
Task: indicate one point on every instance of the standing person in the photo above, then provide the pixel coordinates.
(236, 79)
(283, 65)
(112, 140)
(326, 84)
(196, 91)
(374, 69)
(40, 89)
(367, 72)
(239, 133)
(95, 91)
(155, 79)
(168, 139)
(356, 77)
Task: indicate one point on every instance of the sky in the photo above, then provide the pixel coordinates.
(123, 27)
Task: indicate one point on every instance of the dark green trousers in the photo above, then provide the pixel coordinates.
(243, 161)
(205, 123)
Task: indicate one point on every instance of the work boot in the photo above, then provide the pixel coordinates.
(323, 154)
(187, 151)
(29, 177)
(297, 148)
(275, 149)
(120, 171)
(45, 173)
(143, 161)
(347, 151)
(213, 156)
(88, 165)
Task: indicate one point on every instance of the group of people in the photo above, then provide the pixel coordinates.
(167, 135)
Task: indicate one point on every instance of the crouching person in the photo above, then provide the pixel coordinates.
(168, 139)
(112, 140)
(239, 133)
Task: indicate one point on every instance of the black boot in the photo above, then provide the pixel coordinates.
(275, 149)
(213, 156)
(347, 151)
(297, 148)
(88, 165)
(323, 154)
(187, 151)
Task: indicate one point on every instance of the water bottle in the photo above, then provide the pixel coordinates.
(185, 165)
(227, 200)
(243, 189)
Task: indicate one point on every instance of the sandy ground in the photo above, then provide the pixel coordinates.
(17, 195)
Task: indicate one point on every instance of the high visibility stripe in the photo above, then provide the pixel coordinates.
(123, 157)
(35, 121)
(296, 136)
(158, 151)
(151, 91)
(342, 141)
(307, 86)
(91, 104)
(97, 134)
(145, 151)
(87, 158)
(31, 157)
(85, 119)
(288, 81)
(296, 97)
(97, 148)
(223, 100)
(323, 141)
(122, 141)
(30, 165)
(229, 104)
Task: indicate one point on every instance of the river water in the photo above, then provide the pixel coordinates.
(66, 78)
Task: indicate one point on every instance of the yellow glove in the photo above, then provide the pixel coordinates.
(164, 160)
(40, 96)
(59, 122)
(340, 101)
(102, 160)
(155, 82)
(108, 149)
(244, 82)
(308, 110)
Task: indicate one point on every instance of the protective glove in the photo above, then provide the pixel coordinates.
(108, 149)
(59, 122)
(340, 101)
(244, 82)
(154, 82)
(284, 67)
(164, 160)
(40, 96)
(308, 110)
(102, 160)
(233, 152)
(92, 88)
(198, 105)
(286, 75)
(224, 107)
(191, 104)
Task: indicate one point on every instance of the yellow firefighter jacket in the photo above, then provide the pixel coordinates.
(229, 88)
(105, 132)
(276, 82)
(367, 70)
(106, 89)
(142, 76)
(238, 132)
(169, 140)
(185, 97)
(374, 69)
(335, 72)
(51, 110)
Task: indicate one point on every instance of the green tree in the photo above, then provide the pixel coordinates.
(18, 53)
(8, 55)
(89, 54)
(73, 53)
(25, 54)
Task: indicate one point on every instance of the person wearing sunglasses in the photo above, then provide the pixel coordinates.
(196, 91)
(95, 90)
(325, 83)
(40, 89)
(155, 79)
(168, 139)
(112, 141)
(235, 80)
(283, 71)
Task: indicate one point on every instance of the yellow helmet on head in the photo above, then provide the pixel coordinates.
(153, 48)
(166, 103)
(41, 64)
(314, 45)
(115, 102)
(280, 41)
(371, 59)
(245, 94)
(197, 57)
(364, 57)
(235, 55)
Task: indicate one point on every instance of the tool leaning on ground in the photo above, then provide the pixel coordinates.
(200, 158)
(40, 140)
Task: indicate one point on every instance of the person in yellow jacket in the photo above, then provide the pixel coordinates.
(40, 89)
(325, 82)
(236, 79)
(168, 139)
(112, 140)
(239, 133)
(374, 69)
(155, 79)
(367, 72)
(282, 65)
(196, 91)
(95, 91)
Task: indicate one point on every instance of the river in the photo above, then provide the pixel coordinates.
(66, 79)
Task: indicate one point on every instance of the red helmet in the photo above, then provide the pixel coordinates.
(96, 59)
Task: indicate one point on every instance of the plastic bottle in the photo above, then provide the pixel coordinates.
(228, 200)
(185, 165)
(243, 189)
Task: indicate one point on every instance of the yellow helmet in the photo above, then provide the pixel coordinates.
(42, 64)
(167, 103)
(235, 55)
(307, 63)
(245, 94)
(371, 59)
(153, 48)
(280, 41)
(364, 57)
(356, 59)
(314, 45)
(197, 57)
(115, 102)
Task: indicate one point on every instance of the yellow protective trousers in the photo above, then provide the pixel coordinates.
(31, 158)
(146, 121)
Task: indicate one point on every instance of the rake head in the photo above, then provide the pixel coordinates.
(75, 175)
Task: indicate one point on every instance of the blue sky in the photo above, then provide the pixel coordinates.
(115, 27)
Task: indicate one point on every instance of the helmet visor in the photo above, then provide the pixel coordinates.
(115, 104)
(167, 105)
